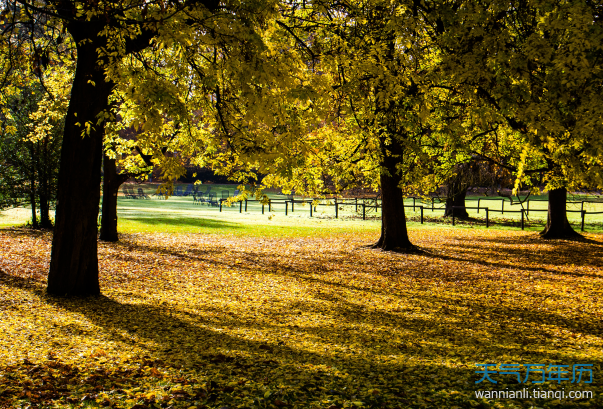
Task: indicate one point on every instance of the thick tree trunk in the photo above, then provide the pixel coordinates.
(394, 235)
(74, 262)
(455, 204)
(557, 225)
(111, 183)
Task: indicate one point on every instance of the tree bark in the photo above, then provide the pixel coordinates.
(111, 183)
(74, 262)
(32, 201)
(45, 183)
(455, 205)
(394, 235)
(45, 222)
(557, 225)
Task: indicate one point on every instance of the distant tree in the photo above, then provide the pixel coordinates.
(33, 120)
(464, 175)
(536, 66)
(113, 178)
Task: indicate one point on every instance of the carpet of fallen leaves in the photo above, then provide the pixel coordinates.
(212, 321)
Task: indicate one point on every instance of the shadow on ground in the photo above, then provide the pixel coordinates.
(327, 320)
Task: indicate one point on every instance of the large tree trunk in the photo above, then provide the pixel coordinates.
(394, 235)
(557, 225)
(455, 205)
(111, 183)
(74, 262)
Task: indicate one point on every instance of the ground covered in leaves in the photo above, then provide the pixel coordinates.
(212, 321)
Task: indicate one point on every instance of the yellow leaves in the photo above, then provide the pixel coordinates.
(309, 322)
(87, 128)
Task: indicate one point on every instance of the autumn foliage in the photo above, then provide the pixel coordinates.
(211, 321)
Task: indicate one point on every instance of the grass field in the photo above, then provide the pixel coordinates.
(181, 215)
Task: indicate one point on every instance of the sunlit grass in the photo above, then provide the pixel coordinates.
(182, 215)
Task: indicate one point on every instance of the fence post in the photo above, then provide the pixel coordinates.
(356, 204)
(528, 208)
(363, 211)
(522, 222)
(421, 214)
(503, 207)
(478, 200)
(336, 209)
(245, 205)
(221, 205)
(413, 204)
(487, 217)
(310, 209)
(286, 208)
(292, 205)
(582, 224)
(269, 205)
(240, 206)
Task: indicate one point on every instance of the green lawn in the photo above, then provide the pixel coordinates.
(182, 215)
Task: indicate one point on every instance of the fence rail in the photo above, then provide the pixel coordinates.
(364, 205)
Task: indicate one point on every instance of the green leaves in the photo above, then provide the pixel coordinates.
(537, 69)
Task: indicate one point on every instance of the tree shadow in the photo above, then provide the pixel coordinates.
(174, 331)
(179, 221)
(317, 273)
(453, 332)
(551, 252)
(426, 329)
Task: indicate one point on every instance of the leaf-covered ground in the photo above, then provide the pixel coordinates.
(213, 321)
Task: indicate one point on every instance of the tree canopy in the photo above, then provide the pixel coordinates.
(314, 96)
(536, 68)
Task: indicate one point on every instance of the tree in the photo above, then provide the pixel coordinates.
(374, 63)
(29, 147)
(104, 34)
(150, 54)
(537, 65)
